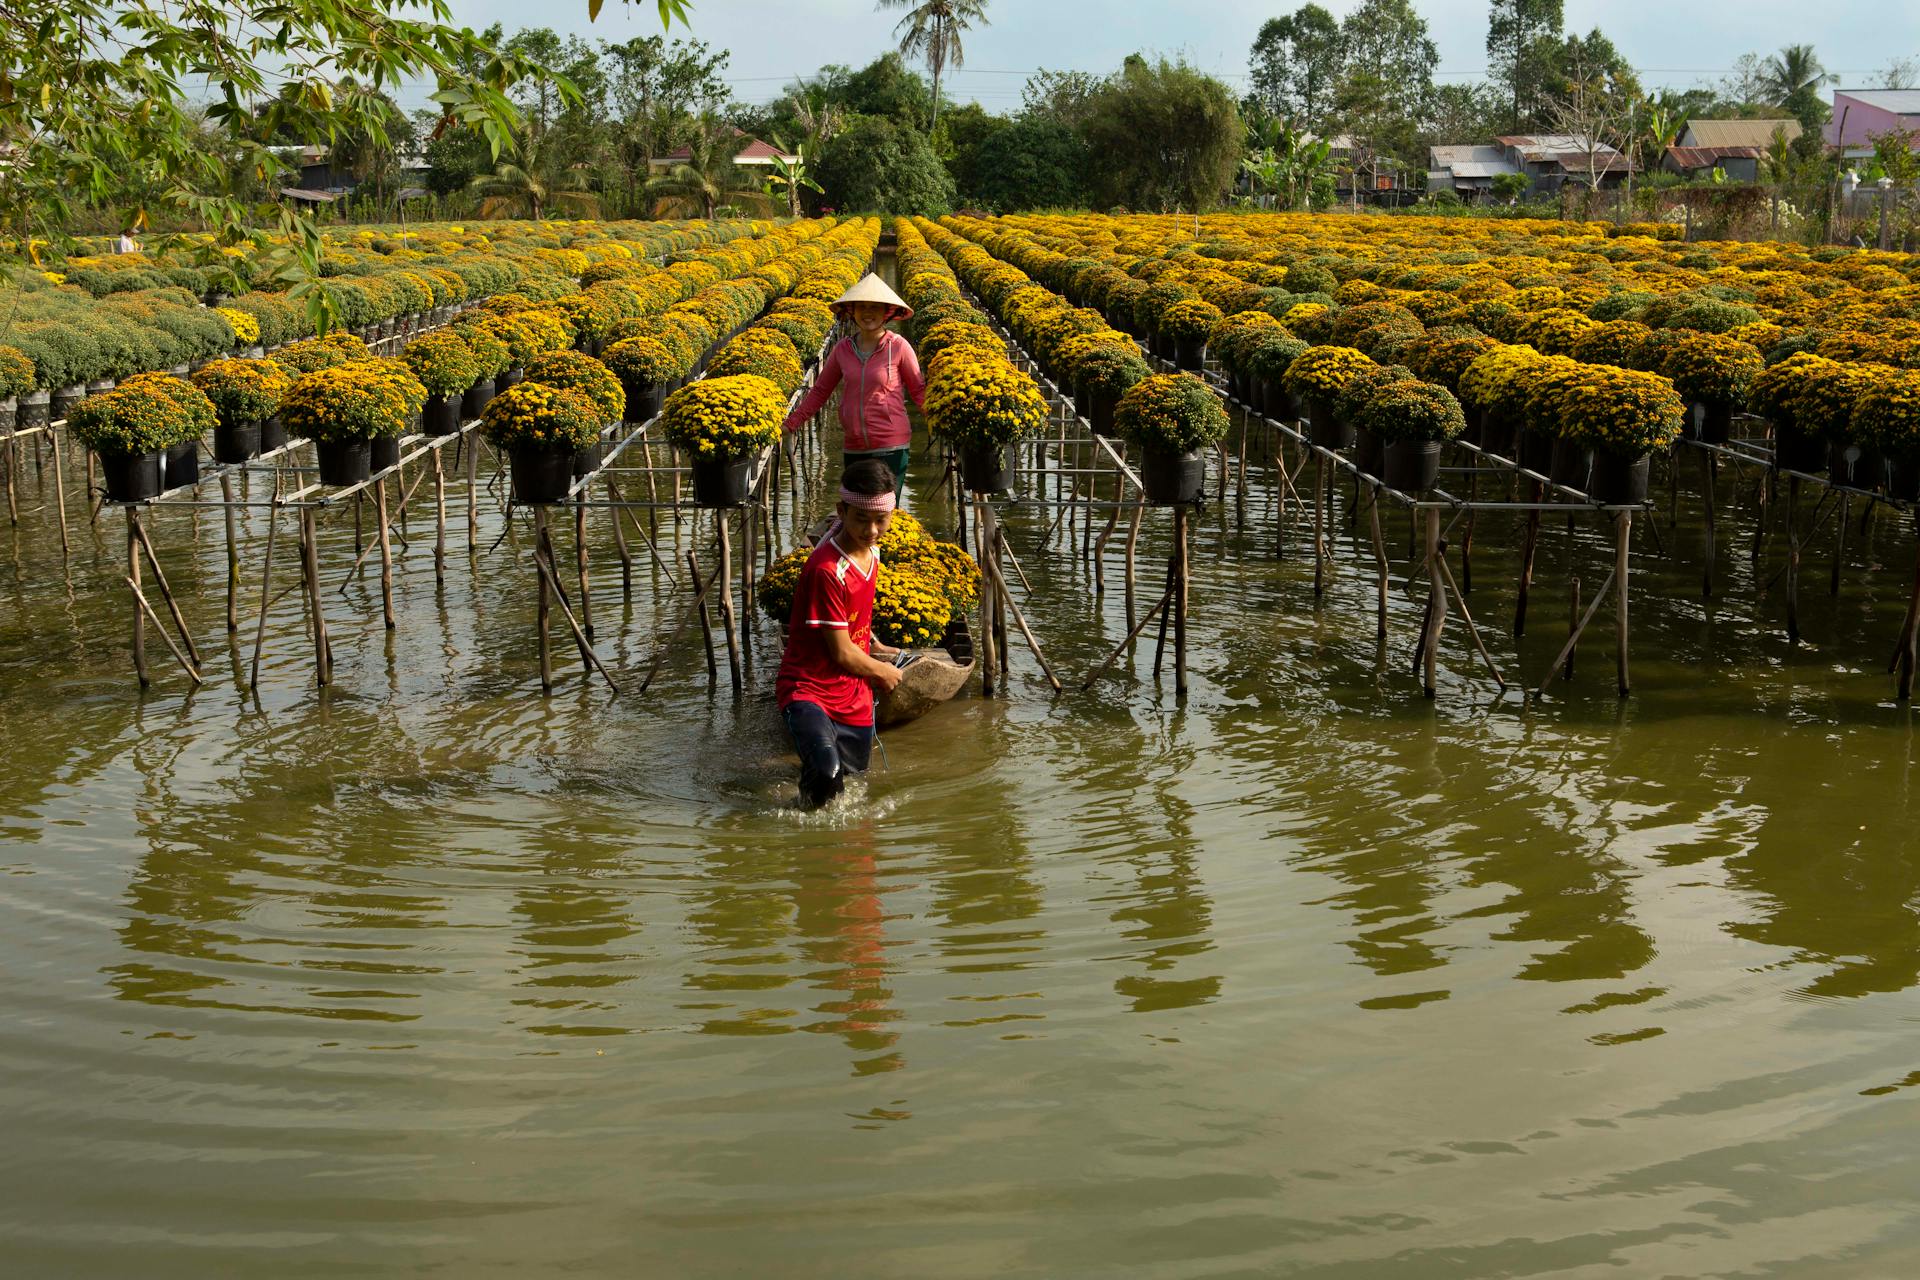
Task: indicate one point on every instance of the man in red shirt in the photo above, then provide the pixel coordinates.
(831, 665)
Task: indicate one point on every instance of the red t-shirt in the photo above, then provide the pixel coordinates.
(833, 593)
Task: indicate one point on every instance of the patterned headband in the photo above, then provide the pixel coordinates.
(867, 501)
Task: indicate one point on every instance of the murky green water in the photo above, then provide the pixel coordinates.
(428, 975)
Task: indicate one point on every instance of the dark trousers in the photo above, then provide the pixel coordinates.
(895, 459)
(828, 750)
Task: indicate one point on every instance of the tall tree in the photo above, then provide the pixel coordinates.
(1387, 40)
(654, 89)
(931, 31)
(1295, 65)
(1520, 37)
(1165, 136)
(882, 165)
(1064, 97)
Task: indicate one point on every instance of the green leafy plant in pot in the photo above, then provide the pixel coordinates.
(1172, 417)
(1714, 372)
(574, 371)
(1315, 378)
(647, 368)
(724, 425)
(1189, 323)
(1101, 377)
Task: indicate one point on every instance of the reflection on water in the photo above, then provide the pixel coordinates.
(1307, 977)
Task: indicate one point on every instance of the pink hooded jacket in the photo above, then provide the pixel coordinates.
(873, 412)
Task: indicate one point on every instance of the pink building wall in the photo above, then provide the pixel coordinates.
(1862, 121)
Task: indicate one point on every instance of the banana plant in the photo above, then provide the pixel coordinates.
(791, 176)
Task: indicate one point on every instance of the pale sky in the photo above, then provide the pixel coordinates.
(1672, 44)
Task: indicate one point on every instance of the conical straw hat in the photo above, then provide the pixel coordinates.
(873, 289)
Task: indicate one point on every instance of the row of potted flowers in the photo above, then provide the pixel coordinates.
(1172, 418)
(721, 404)
(356, 407)
(1711, 334)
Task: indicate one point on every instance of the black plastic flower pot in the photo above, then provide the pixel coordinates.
(588, 460)
(440, 416)
(1571, 464)
(1903, 476)
(1327, 431)
(722, 482)
(1412, 466)
(1100, 407)
(273, 434)
(541, 476)
(9, 413)
(510, 378)
(1173, 479)
(984, 469)
(344, 462)
(35, 409)
(643, 401)
(1797, 450)
(182, 465)
(1475, 419)
(474, 401)
(1535, 450)
(385, 454)
(236, 441)
(1619, 480)
(1274, 400)
(958, 641)
(66, 398)
(1190, 354)
(1368, 452)
(1713, 421)
(1497, 436)
(130, 477)
(1855, 465)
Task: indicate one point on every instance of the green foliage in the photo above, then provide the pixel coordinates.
(876, 164)
(1029, 164)
(1167, 136)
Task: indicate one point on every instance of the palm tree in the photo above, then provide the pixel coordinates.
(1792, 77)
(931, 30)
(707, 178)
(537, 182)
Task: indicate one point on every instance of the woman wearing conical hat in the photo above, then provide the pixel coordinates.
(877, 373)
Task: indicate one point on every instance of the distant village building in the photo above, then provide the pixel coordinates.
(1467, 171)
(1860, 115)
(752, 154)
(1549, 161)
(1552, 160)
(1735, 147)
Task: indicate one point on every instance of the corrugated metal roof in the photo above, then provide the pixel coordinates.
(1476, 169)
(1708, 157)
(1736, 133)
(1452, 156)
(1902, 102)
